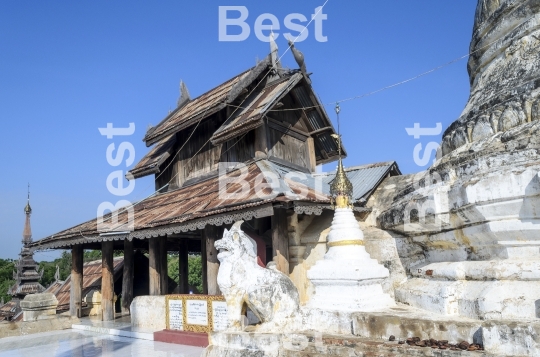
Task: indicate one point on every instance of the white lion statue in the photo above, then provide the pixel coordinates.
(268, 293)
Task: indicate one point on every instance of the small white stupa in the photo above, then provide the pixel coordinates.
(347, 279)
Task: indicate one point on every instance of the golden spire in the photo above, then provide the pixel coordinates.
(341, 188)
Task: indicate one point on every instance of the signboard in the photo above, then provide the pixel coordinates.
(196, 313)
(219, 315)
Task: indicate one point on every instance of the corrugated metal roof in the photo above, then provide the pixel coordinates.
(203, 199)
(207, 198)
(92, 273)
(207, 103)
(255, 108)
(364, 178)
(54, 287)
(9, 308)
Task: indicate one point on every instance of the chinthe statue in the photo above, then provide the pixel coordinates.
(268, 293)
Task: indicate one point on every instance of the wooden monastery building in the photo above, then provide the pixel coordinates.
(245, 150)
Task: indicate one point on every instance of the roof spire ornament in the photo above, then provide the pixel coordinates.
(27, 232)
(184, 95)
(274, 52)
(341, 188)
(299, 58)
(27, 208)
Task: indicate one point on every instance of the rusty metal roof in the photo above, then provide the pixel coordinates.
(255, 108)
(91, 280)
(206, 104)
(203, 199)
(268, 182)
(9, 308)
(54, 287)
(150, 163)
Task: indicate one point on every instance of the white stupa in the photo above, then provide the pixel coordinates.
(347, 279)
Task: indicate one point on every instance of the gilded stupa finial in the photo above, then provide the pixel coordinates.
(341, 188)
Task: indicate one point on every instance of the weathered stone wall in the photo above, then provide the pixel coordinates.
(471, 220)
(307, 244)
(504, 70)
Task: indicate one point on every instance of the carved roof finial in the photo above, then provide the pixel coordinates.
(299, 58)
(184, 95)
(274, 52)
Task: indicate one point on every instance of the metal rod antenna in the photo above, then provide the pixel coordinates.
(338, 109)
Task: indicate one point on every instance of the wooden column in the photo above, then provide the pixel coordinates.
(127, 278)
(183, 283)
(280, 240)
(75, 296)
(164, 276)
(154, 266)
(311, 154)
(107, 281)
(210, 235)
(204, 264)
(261, 142)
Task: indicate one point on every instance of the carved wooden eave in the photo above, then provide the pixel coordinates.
(265, 210)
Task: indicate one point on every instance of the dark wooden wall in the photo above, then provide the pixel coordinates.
(195, 157)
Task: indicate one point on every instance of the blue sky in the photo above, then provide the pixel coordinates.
(68, 68)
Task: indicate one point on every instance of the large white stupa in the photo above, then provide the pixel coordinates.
(347, 279)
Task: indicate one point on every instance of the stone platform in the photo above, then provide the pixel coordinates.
(313, 345)
(362, 333)
(119, 327)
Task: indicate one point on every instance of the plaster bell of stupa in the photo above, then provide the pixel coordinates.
(347, 279)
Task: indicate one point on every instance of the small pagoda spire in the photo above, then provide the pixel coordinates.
(347, 266)
(27, 232)
(341, 188)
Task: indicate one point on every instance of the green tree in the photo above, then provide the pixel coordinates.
(173, 268)
(64, 262)
(49, 269)
(7, 266)
(194, 270)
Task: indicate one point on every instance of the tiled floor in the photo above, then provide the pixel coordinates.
(77, 343)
